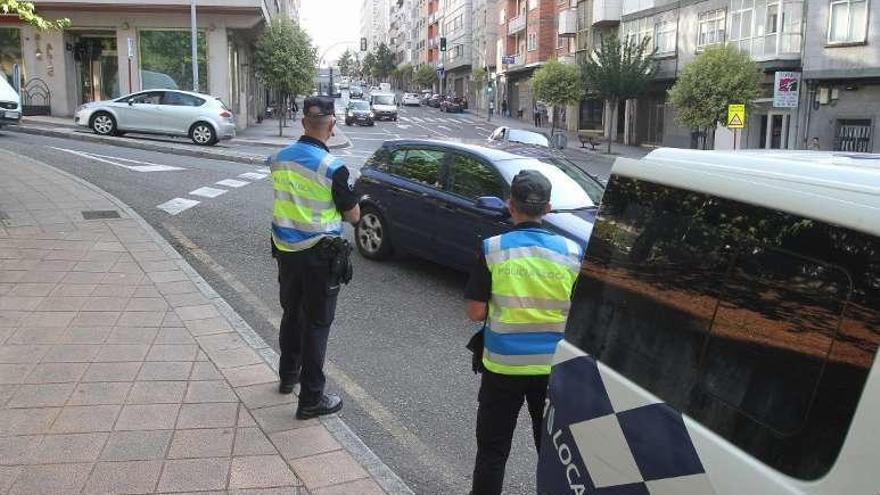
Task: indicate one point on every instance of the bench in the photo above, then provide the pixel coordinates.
(591, 137)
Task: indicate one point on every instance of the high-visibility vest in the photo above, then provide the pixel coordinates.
(303, 211)
(533, 272)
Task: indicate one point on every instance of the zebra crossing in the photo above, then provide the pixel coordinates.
(437, 120)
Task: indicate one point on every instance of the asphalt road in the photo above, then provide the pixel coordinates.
(396, 350)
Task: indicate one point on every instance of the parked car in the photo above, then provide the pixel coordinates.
(438, 199)
(434, 101)
(505, 133)
(385, 87)
(359, 112)
(203, 118)
(452, 104)
(425, 96)
(355, 92)
(384, 106)
(10, 103)
(410, 99)
(343, 85)
(337, 90)
(724, 327)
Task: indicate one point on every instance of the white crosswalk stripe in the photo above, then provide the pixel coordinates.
(177, 205)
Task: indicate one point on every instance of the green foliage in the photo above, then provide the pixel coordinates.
(367, 64)
(346, 63)
(24, 9)
(384, 62)
(619, 70)
(716, 78)
(480, 77)
(558, 84)
(425, 76)
(285, 58)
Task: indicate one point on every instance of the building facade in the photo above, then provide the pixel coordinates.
(484, 29)
(457, 28)
(115, 49)
(375, 22)
(400, 31)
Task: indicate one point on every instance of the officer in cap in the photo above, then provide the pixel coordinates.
(521, 290)
(312, 199)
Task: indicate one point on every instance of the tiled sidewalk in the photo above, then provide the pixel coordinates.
(121, 372)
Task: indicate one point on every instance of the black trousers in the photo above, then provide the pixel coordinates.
(308, 297)
(501, 398)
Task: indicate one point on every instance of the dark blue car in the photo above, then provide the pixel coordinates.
(438, 200)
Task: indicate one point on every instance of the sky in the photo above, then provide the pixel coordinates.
(331, 23)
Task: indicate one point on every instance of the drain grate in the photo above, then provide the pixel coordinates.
(99, 214)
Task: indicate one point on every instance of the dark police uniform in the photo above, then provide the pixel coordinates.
(311, 191)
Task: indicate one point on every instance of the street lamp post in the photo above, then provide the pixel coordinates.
(195, 48)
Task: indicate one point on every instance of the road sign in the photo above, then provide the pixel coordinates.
(786, 89)
(440, 71)
(508, 60)
(736, 116)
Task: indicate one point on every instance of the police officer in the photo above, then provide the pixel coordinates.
(521, 289)
(312, 198)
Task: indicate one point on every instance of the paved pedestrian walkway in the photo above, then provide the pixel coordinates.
(122, 371)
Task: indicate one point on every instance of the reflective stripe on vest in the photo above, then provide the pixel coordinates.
(533, 272)
(303, 211)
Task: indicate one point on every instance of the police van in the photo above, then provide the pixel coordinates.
(723, 331)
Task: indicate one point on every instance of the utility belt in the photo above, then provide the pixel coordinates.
(337, 251)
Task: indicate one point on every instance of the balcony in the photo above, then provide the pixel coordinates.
(433, 42)
(606, 12)
(516, 24)
(567, 23)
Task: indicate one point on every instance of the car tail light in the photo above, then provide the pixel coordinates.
(226, 115)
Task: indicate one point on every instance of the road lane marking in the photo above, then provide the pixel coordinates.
(444, 128)
(264, 170)
(177, 205)
(252, 176)
(417, 119)
(231, 183)
(114, 160)
(208, 192)
(403, 126)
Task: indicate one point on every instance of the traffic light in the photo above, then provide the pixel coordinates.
(442, 44)
(363, 44)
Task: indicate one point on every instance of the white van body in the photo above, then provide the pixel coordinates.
(385, 87)
(10, 103)
(606, 432)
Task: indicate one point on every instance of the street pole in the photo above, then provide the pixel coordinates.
(195, 48)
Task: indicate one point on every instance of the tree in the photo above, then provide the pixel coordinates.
(404, 75)
(285, 61)
(425, 77)
(346, 63)
(367, 65)
(716, 78)
(384, 64)
(24, 9)
(559, 85)
(616, 72)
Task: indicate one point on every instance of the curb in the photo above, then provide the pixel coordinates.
(383, 475)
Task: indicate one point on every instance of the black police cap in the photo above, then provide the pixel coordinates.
(530, 187)
(318, 106)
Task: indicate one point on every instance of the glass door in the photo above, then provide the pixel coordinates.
(774, 131)
(97, 67)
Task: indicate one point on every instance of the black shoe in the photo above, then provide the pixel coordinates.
(329, 404)
(286, 386)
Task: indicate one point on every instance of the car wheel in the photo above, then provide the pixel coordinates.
(203, 134)
(371, 235)
(104, 124)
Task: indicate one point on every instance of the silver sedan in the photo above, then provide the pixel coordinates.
(203, 118)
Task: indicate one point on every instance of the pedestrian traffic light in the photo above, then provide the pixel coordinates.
(363, 44)
(442, 44)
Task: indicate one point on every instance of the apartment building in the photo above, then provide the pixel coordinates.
(112, 49)
(433, 20)
(457, 27)
(375, 22)
(400, 31)
(484, 22)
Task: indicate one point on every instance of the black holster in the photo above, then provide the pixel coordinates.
(338, 252)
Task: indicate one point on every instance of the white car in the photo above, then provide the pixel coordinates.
(202, 118)
(411, 99)
(505, 133)
(10, 104)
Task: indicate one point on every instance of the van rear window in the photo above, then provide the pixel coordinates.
(759, 324)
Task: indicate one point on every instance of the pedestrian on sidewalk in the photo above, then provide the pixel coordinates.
(504, 108)
(537, 114)
(520, 289)
(312, 198)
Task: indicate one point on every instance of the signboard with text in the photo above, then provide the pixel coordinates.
(508, 60)
(786, 89)
(736, 116)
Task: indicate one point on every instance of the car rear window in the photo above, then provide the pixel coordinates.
(759, 324)
(572, 188)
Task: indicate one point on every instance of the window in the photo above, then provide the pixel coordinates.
(181, 100)
(472, 179)
(163, 67)
(711, 28)
(751, 321)
(10, 51)
(758, 28)
(532, 43)
(418, 165)
(635, 31)
(148, 98)
(847, 21)
(533, 4)
(664, 37)
(853, 135)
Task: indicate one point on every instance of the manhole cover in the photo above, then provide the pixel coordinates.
(99, 214)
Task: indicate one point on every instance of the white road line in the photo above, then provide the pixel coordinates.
(264, 170)
(483, 129)
(417, 119)
(403, 126)
(404, 119)
(111, 160)
(444, 128)
(177, 205)
(208, 192)
(231, 183)
(252, 176)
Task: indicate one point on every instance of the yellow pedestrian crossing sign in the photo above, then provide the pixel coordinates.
(736, 116)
